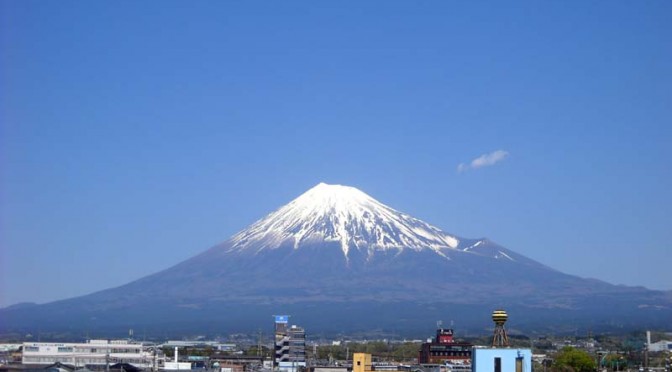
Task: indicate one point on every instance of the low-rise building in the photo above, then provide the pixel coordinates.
(362, 362)
(91, 353)
(501, 360)
(201, 344)
(444, 349)
(663, 345)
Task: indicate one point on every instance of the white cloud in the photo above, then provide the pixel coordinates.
(484, 160)
(462, 167)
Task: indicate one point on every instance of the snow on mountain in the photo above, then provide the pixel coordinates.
(343, 214)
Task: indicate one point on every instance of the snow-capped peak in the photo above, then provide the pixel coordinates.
(335, 213)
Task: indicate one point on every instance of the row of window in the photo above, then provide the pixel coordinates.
(442, 348)
(47, 359)
(88, 350)
(70, 349)
(105, 350)
(446, 353)
(81, 361)
(61, 349)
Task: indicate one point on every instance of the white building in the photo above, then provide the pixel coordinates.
(91, 353)
(176, 365)
(213, 344)
(663, 345)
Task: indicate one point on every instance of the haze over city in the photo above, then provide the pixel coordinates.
(134, 136)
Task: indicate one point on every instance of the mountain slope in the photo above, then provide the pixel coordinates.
(334, 247)
(334, 213)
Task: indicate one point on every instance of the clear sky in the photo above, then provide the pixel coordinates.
(134, 135)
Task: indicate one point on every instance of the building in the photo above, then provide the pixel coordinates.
(238, 363)
(663, 345)
(297, 345)
(281, 343)
(501, 360)
(293, 357)
(328, 369)
(201, 345)
(176, 365)
(290, 345)
(10, 353)
(91, 353)
(361, 362)
(443, 349)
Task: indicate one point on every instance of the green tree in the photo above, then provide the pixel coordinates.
(406, 351)
(573, 359)
(615, 362)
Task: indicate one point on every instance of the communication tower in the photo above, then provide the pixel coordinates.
(500, 339)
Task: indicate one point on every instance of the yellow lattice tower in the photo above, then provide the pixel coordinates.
(500, 339)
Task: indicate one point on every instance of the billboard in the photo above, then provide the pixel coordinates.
(282, 319)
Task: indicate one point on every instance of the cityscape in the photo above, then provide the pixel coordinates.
(290, 349)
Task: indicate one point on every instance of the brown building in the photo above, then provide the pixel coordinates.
(444, 349)
(237, 363)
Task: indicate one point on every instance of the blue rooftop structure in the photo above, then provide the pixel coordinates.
(501, 360)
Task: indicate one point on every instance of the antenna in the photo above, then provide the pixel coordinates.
(439, 324)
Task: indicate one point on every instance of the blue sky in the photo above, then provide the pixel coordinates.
(134, 135)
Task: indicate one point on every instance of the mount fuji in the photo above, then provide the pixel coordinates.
(339, 260)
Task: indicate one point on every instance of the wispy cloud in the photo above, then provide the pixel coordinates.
(484, 160)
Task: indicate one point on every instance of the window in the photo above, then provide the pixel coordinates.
(32, 348)
(519, 364)
(64, 349)
(498, 364)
